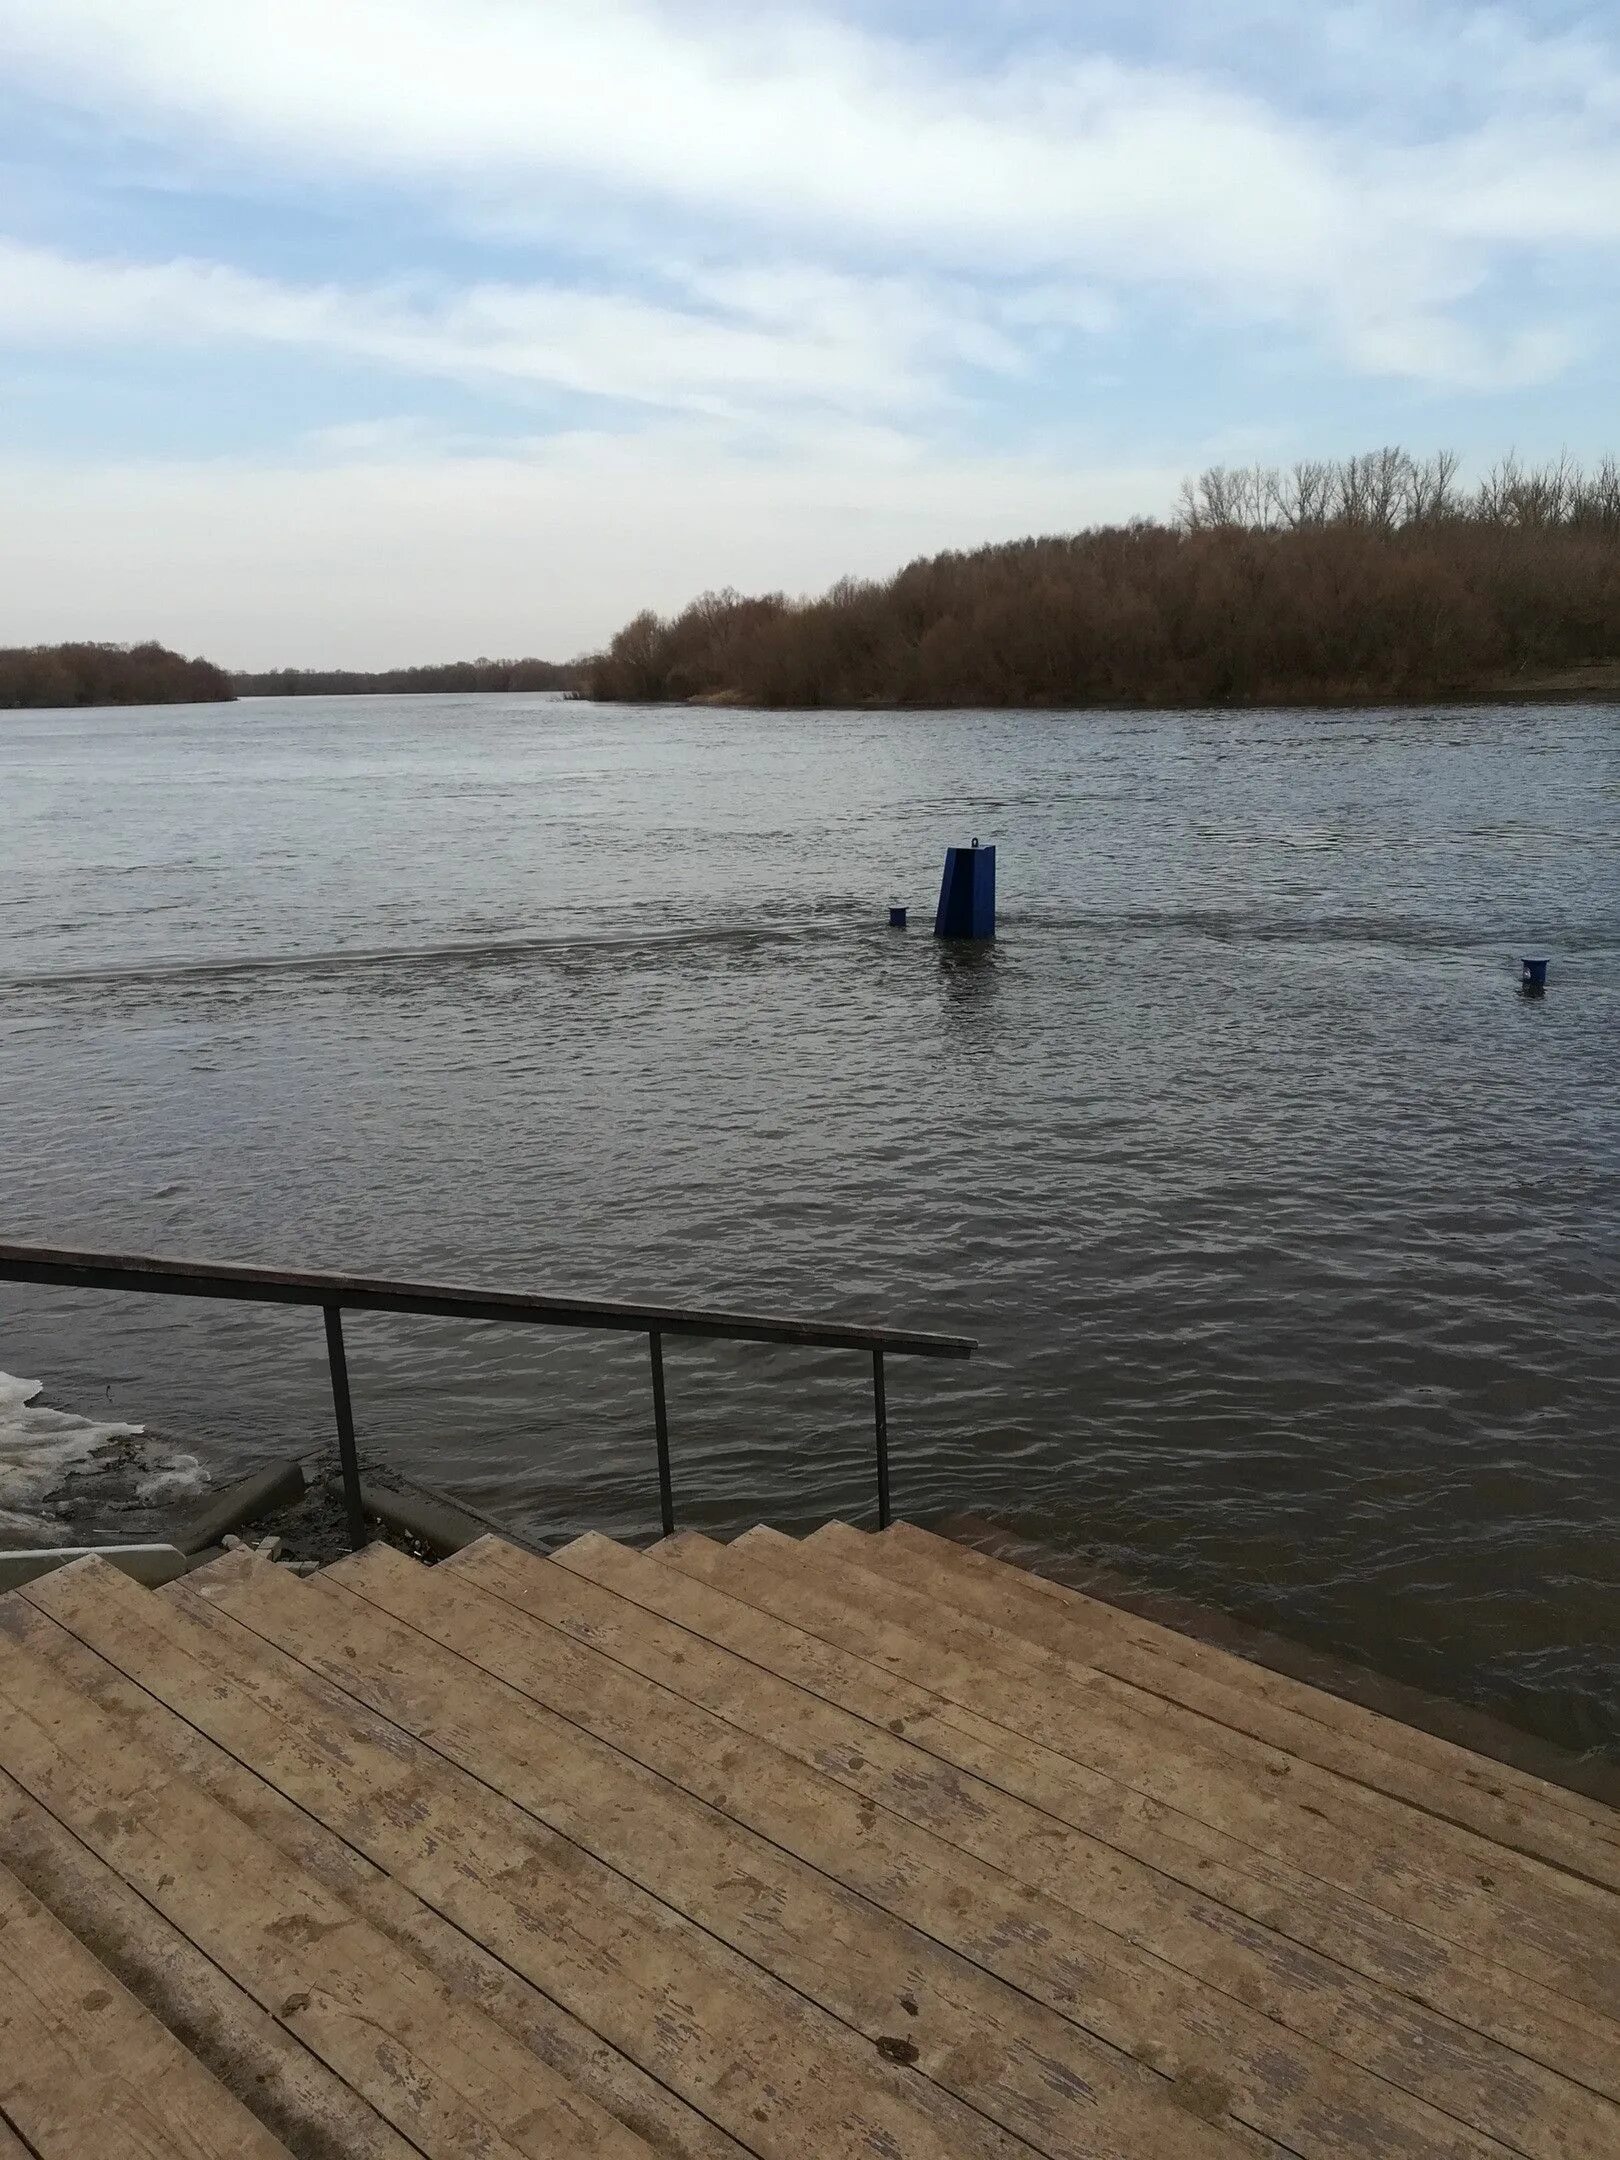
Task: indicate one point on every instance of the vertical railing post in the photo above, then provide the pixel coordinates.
(880, 1409)
(352, 1507)
(666, 1489)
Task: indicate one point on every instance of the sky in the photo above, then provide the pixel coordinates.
(369, 332)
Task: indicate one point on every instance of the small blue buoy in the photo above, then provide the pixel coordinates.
(897, 918)
(1533, 981)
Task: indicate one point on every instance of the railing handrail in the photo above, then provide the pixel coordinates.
(335, 1294)
(370, 1293)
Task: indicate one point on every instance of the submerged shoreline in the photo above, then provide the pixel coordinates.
(1596, 684)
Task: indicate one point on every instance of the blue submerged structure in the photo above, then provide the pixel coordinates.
(967, 894)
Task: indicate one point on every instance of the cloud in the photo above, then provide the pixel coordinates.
(801, 272)
(391, 548)
(747, 339)
(1050, 162)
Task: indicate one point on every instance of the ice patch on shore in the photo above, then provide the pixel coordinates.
(39, 1447)
(175, 1479)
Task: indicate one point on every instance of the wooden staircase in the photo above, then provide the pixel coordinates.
(861, 1848)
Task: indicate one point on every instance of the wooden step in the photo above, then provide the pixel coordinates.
(990, 2047)
(855, 1656)
(321, 2113)
(85, 2069)
(608, 1598)
(1522, 1813)
(448, 2079)
(1540, 1923)
(855, 1849)
(796, 1806)
(278, 2080)
(751, 2053)
(1089, 1630)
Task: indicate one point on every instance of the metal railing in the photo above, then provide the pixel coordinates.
(335, 1294)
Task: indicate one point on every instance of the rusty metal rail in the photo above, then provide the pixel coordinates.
(334, 1294)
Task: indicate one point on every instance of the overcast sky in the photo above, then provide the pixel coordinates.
(372, 331)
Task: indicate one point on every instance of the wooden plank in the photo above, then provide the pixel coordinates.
(1582, 1871)
(539, 2025)
(274, 2076)
(1480, 2080)
(892, 1678)
(754, 2055)
(1077, 1617)
(893, 1806)
(1463, 1792)
(1563, 1933)
(1015, 2061)
(85, 2068)
(446, 2078)
(1098, 1980)
(70, 2107)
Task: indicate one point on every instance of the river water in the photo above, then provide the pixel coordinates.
(1289, 1232)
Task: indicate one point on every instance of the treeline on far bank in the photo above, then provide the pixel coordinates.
(89, 674)
(1375, 577)
(452, 675)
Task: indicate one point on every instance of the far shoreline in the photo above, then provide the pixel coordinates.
(1594, 685)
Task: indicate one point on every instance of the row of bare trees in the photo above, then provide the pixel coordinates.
(1375, 578)
(1384, 489)
(149, 674)
(452, 675)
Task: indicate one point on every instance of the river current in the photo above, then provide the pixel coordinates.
(1289, 1232)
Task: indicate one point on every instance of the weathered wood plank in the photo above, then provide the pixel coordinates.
(760, 1766)
(1563, 1933)
(1054, 1956)
(993, 2047)
(1495, 2089)
(539, 2025)
(450, 2081)
(85, 2068)
(295, 2096)
(1523, 1818)
(1381, 1730)
(894, 1678)
(753, 2054)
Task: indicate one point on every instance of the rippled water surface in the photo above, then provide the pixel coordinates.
(1288, 1230)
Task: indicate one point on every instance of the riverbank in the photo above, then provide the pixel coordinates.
(59, 677)
(1381, 585)
(1596, 683)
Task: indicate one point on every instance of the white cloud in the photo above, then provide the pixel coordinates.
(822, 239)
(384, 552)
(1055, 162)
(748, 339)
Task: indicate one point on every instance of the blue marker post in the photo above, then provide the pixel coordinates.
(967, 894)
(897, 918)
(1533, 982)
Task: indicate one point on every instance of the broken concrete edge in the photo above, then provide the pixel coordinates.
(443, 1524)
(148, 1564)
(465, 1508)
(1400, 1700)
(256, 1494)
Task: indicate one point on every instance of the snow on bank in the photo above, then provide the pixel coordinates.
(40, 1447)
